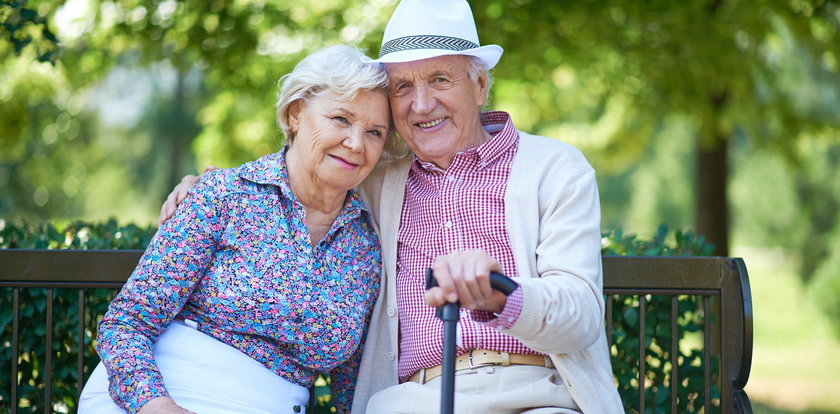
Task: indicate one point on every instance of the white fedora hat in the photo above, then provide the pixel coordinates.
(422, 29)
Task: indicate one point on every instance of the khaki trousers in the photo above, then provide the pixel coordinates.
(487, 390)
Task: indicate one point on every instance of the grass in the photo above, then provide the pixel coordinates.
(796, 357)
(759, 408)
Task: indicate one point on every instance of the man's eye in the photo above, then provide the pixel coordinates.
(440, 80)
(340, 119)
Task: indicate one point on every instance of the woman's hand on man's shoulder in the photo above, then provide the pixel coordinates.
(178, 194)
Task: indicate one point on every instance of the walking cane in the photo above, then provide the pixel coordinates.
(449, 314)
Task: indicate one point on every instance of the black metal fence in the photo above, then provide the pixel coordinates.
(680, 329)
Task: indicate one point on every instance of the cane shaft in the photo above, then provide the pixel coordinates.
(450, 325)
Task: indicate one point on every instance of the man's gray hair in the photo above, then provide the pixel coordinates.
(336, 68)
(476, 68)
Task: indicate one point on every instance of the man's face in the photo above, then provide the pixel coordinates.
(435, 106)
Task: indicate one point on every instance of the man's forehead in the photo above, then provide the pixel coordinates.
(426, 67)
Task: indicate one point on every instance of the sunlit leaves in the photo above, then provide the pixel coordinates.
(26, 28)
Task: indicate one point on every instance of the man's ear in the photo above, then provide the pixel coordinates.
(482, 91)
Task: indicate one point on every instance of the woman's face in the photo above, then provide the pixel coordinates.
(338, 142)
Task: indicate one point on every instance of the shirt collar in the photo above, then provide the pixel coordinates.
(503, 135)
(271, 170)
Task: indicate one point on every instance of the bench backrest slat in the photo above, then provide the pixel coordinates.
(722, 283)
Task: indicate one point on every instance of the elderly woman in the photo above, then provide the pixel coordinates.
(266, 274)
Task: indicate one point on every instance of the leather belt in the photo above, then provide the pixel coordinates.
(478, 358)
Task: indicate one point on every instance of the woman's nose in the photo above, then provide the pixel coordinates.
(355, 140)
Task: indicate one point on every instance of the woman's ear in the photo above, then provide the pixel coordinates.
(294, 115)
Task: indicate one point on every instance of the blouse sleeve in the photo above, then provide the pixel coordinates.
(343, 377)
(158, 288)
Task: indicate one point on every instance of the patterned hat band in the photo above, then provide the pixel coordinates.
(425, 42)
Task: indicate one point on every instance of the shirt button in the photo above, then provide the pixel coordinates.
(448, 224)
(391, 356)
(450, 177)
(391, 311)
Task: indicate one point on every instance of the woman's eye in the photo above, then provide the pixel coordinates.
(340, 119)
(375, 133)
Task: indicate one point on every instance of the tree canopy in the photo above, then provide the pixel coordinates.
(619, 79)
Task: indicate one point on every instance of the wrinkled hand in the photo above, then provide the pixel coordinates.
(178, 194)
(163, 405)
(464, 276)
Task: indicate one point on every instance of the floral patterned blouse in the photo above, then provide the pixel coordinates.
(236, 258)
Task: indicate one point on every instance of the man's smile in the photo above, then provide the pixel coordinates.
(430, 124)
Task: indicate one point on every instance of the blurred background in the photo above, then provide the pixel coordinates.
(718, 117)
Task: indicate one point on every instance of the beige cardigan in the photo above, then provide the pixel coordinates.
(553, 221)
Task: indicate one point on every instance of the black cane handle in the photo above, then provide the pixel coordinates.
(498, 281)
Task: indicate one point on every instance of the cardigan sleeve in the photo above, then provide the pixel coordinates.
(158, 288)
(563, 306)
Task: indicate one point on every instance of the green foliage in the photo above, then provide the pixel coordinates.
(77, 235)
(684, 243)
(610, 77)
(322, 396)
(21, 25)
(225, 58)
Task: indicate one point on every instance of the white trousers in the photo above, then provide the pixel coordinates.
(206, 376)
(488, 390)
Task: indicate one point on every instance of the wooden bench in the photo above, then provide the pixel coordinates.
(650, 302)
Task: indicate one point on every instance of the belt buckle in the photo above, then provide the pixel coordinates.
(474, 366)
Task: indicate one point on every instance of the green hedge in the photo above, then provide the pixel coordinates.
(111, 235)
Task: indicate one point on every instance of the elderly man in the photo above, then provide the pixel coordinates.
(478, 196)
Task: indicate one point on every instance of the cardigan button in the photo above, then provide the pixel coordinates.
(392, 311)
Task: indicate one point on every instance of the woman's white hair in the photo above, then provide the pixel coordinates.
(336, 68)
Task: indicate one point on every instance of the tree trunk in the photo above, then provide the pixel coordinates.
(179, 142)
(711, 206)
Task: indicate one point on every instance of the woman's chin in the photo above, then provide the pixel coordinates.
(341, 182)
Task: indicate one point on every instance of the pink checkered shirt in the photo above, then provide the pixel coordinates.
(460, 208)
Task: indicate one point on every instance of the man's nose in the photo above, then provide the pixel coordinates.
(424, 101)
